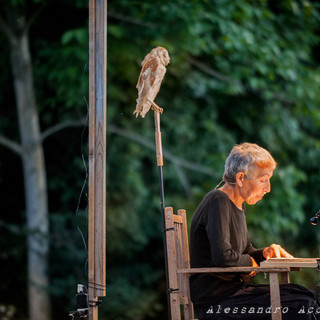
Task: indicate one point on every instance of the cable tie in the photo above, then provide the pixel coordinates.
(93, 285)
(168, 229)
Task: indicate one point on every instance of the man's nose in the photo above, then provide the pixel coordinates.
(267, 187)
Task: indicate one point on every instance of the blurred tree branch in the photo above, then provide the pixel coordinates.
(131, 136)
(166, 154)
(176, 161)
(6, 30)
(62, 125)
(213, 73)
(208, 70)
(122, 17)
(13, 146)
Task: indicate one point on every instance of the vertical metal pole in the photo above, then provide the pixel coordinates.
(160, 165)
(97, 153)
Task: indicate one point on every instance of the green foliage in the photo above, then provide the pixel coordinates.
(66, 61)
(239, 71)
(132, 296)
(279, 217)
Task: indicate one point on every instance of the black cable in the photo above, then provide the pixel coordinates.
(83, 313)
(83, 159)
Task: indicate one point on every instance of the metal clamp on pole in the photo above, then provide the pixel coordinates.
(95, 303)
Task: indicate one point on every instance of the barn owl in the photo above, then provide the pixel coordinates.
(149, 82)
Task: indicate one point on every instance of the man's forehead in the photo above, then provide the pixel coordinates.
(261, 172)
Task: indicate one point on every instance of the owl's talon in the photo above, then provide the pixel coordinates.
(155, 107)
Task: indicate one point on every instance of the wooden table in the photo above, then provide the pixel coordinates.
(294, 264)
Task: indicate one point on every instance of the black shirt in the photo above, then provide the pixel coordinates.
(218, 238)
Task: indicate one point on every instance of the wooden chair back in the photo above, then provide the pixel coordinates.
(178, 258)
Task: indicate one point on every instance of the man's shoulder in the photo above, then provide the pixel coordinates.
(216, 195)
(214, 198)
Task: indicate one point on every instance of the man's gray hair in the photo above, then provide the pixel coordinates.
(246, 158)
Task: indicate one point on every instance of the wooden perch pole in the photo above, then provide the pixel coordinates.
(97, 153)
(157, 111)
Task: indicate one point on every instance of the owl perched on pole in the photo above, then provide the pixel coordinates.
(151, 75)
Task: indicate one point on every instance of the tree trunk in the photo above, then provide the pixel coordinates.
(34, 178)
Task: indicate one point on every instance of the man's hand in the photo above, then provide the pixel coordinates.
(254, 264)
(248, 277)
(276, 251)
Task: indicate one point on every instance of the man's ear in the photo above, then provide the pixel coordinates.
(240, 176)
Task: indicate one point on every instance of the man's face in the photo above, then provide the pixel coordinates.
(255, 187)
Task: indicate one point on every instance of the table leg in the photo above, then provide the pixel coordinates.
(275, 296)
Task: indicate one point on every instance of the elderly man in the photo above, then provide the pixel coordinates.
(219, 238)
